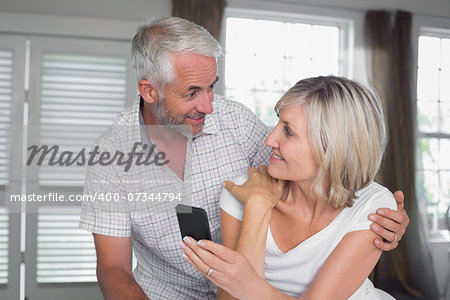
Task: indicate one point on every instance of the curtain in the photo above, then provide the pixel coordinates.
(406, 272)
(206, 13)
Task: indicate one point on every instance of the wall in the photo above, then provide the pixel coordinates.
(137, 10)
(132, 10)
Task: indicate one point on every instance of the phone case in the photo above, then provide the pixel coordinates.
(193, 222)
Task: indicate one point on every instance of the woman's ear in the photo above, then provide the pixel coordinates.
(148, 91)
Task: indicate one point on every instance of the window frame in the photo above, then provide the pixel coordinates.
(351, 62)
(432, 27)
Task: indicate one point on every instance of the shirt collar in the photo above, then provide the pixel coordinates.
(211, 122)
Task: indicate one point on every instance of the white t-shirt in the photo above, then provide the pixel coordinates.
(293, 271)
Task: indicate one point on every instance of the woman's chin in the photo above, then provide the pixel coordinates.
(271, 169)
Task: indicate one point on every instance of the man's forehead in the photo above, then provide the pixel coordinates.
(194, 70)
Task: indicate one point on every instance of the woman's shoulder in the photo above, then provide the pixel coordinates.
(229, 203)
(375, 195)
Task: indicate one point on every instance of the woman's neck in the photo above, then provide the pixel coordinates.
(301, 200)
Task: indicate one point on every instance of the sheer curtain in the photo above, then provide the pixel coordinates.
(407, 272)
(207, 13)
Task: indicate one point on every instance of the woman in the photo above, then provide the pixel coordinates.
(300, 227)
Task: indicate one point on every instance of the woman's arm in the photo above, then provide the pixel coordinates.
(248, 238)
(347, 267)
(341, 275)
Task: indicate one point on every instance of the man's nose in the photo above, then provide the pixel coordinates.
(205, 103)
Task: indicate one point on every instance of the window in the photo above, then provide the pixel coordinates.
(433, 119)
(76, 88)
(264, 58)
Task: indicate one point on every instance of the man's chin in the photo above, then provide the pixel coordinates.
(197, 129)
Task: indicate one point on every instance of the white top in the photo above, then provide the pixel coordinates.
(293, 271)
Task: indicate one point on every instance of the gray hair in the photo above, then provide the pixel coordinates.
(153, 42)
(347, 132)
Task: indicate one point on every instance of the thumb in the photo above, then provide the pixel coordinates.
(228, 185)
(399, 197)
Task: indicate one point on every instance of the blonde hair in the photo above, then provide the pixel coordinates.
(347, 133)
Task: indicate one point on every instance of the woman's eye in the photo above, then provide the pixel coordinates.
(287, 131)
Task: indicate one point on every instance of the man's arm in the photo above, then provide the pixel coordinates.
(114, 268)
(390, 225)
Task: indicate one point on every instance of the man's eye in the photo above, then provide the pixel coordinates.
(192, 94)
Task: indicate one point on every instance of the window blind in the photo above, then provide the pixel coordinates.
(64, 252)
(6, 87)
(4, 218)
(6, 72)
(80, 96)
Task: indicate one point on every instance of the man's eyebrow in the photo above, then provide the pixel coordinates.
(194, 87)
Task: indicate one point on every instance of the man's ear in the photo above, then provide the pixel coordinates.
(148, 91)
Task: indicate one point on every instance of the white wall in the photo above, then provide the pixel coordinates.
(137, 10)
(132, 10)
(427, 7)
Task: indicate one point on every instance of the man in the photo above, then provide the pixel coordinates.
(176, 66)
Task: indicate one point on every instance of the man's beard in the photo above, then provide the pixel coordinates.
(161, 112)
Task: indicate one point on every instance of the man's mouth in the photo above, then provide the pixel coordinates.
(196, 119)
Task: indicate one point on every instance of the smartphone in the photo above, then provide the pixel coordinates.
(193, 222)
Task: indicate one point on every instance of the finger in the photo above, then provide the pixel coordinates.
(400, 198)
(383, 233)
(394, 215)
(386, 223)
(208, 257)
(405, 218)
(263, 170)
(220, 251)
(196, 260)
(384, 245)
(214, 276)
(228, 185)
(251, 170)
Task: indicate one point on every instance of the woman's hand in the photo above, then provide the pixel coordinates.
(260, 185)
(226, 268)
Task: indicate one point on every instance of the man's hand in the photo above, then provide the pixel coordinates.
(389, 224)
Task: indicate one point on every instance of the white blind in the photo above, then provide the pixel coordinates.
(64, 252)
(6, 71)
(80, 96)
(6, 78)
(4, 218)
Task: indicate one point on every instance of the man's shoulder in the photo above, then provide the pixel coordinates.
(122, 128)
(129, 116)
(231, 109)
